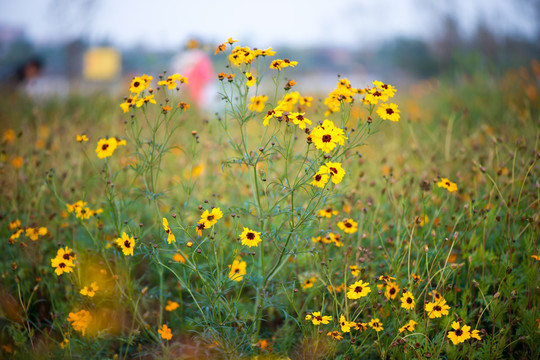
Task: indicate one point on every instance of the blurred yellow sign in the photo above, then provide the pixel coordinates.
(101, 64)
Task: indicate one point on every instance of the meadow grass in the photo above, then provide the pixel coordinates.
(440, 207)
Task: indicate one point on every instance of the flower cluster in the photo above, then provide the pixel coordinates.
(80, 320)
(33, 233)
(81, 211)
(63, 262)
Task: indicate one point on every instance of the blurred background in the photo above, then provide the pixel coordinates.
(54, 47)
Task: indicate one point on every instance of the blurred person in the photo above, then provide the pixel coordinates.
(30, 80)
(197, 66)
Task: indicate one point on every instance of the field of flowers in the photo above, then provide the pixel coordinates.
(368, 222)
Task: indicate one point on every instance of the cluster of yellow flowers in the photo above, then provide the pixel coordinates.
(81, 211)
(80, 320)
(360, 289)
(63, 262)
(243, 55)
(33, 233)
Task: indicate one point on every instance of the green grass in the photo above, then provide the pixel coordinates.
(474, 246)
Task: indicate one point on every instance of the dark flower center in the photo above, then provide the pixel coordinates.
(66, 256)
(327, 138)
(333, 170)
(459, 332)
(348, 224)
(318, 318)
(358, 289)
(210, 217)
(104, 147)
(300, 117)
(389, 111)
(127, 244)
(136, 84)
(438, 308)
(318, 177)
(409, 300)
(62, 265)
(392, 291)
(250, 236)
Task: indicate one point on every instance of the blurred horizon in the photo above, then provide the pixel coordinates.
(399, 40)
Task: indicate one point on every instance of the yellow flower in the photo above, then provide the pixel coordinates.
(334, 238)
(170, 235)
(80, 320)
(327, 213)
(34, 233)
(416, 278)
(358, 289)
(392, 289)
(345, 325)
(238, 270)
(272, 114)
(408, 327)
(250, 79)
(257, 103)
(279, 64)
(305, 101)
(459, 335)
(288, 101)
(178, 258)
(250, 238)
(14, 224)
(437, 309)
(447, 184)
(348, 226)
(126, 243)
(209, 219)
(325, 137)
(170, 82)
(476, 335)
(299, 119)
(355, 270)
(81, 138)
(335, 170)
(90, 291)
(64, 344)
(171, 305)
(62, 265)
(407, 301)
(360, 326)
(139, 83)
(9, 136)
(308, 283)
(388, 89)
(376, 324)
(106, 146)
(317, 319)
(129, 101)
(15, 235)
(145, 100)
(374, 95)
(66, 253)
(388, 112)
(17, 162)
(335, 335)
(319, 180)
(165, 332)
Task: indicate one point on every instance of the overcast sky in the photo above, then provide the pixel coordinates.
(162, 24)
